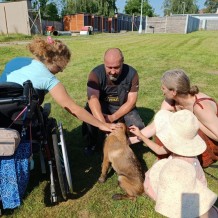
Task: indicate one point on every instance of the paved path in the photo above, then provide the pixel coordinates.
(13, 43)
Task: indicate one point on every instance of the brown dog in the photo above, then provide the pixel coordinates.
(118, 153)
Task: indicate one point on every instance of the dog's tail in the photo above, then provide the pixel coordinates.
(123, 196)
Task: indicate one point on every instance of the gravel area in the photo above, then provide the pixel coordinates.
(2, 44)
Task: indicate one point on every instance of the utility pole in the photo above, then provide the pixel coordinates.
(140, 25)
(183, 7)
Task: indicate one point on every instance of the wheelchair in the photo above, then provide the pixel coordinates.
(20, 109)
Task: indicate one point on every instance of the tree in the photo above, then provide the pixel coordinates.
(69, 7)
(134, 7)
(40, 4)
(99, 7)
(211, 6)
(180, 7)
(51, 12)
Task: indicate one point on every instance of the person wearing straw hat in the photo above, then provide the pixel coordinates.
(179, 133)
(179, 193)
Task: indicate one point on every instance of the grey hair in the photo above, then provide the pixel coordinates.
(178, 81)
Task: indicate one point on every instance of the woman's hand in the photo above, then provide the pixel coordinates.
(135, 130)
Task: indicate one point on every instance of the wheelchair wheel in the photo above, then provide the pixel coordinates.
(65, 158)
(61, 162)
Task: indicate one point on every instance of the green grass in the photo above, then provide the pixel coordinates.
(151, 55)
(13, 37)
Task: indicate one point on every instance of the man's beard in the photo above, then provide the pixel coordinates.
(112, 78)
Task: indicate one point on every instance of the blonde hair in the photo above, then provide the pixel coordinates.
(49, 53)
(178, 81)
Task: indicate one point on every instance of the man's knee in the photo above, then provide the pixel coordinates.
(139, 123)
(133, 118)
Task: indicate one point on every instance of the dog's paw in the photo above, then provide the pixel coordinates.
(101, 179)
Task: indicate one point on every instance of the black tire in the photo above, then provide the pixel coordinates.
(58, 162)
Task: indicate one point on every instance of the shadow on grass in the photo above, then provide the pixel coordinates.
(146, 114)
(85, 169)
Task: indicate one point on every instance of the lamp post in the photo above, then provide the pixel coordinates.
(140, 25)
(183, 7)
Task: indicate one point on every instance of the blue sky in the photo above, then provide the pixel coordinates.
(156, 4)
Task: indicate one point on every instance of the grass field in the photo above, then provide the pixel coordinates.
(151, 55)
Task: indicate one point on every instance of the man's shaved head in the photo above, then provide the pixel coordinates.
(115, 53)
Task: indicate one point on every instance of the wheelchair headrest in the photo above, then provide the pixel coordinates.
(10, 89)
(14, 98)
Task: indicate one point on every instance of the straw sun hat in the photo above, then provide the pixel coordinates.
(179, 192)
(179, 132)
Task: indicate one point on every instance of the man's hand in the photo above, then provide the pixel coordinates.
(108, 127)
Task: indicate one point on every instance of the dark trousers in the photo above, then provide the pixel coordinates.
(95, 137)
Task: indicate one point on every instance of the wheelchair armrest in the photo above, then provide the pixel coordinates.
(13, 100)
(10, 90)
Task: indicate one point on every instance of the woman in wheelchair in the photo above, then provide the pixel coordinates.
(50, 57)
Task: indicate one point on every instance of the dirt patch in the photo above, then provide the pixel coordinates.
(213, 72)
(2, 44)
(84, 214)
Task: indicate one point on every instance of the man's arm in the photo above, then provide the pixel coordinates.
(125, 108)
(94, 104)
